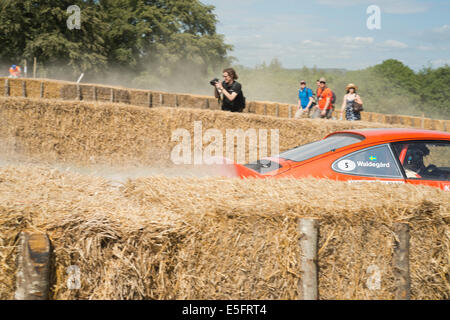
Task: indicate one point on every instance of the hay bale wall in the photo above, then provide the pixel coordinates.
(102, 133)
(216, 238)
(67, 91)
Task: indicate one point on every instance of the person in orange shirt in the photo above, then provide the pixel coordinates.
(14, 71)
(324, 97)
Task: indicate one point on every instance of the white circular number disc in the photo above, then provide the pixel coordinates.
(346, 165)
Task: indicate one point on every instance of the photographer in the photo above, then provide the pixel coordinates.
(233, 97)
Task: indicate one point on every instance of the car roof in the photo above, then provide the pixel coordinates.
(393, 134)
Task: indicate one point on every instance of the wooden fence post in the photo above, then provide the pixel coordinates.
(7, 87)
(111, 97)
(290, 112)
(265, 109)
(277, 110)
(401, 262)
(150, 99)
(176, 101)
(78, 92)
(41, 90)
(94, 89)
(24, 88)
(309, 237)
(33, 269)
(161, 99)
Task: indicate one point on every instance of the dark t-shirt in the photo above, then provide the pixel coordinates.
(232, 105)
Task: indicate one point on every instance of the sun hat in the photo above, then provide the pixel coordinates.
(351, 85)
(323, 80)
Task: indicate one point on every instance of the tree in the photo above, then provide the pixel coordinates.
(158, 36)
(39, 29)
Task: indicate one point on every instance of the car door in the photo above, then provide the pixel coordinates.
(425, 162)
(375, 163)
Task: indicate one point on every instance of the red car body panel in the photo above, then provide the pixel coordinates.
(320, 166)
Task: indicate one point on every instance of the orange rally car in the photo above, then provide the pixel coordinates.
(383, 155)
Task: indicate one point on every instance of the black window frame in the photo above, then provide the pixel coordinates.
(396, 163)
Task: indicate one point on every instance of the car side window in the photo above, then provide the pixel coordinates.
(424, 160)
(375, 161)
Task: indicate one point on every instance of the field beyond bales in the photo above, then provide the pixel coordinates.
(218, 238)
(117, 134)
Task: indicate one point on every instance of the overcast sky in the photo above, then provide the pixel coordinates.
(334, 33)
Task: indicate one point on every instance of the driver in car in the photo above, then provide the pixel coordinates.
(413, 165)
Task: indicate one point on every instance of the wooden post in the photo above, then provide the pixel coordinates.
(265, 109)
(25, 68)
(309, 237)
(33, 269)
(150, 99)
(422, 121)
(176, 101)
(112, 95)
(161, 99)
(401, 262)
(94, 89)
(78, 92)
(290, 112)
(41, 93)
(24, 88)
(7, 87)
(34, 68)
(206, 103)
(277, 110)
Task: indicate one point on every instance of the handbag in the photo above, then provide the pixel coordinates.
(357, 107)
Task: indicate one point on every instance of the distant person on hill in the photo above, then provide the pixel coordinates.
(233, 97)
(14, 71)
(325, 98)
(347, 103)
(305, 100)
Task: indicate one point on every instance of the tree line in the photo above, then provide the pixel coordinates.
(173, 45)
(117, 37)
(389, 87)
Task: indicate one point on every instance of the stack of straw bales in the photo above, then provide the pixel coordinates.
(118, 134)
(218, 238)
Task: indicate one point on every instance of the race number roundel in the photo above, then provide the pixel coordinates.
(346, 165)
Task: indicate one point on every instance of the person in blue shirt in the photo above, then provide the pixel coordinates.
(305, 100)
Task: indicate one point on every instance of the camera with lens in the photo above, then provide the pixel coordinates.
(214, 81)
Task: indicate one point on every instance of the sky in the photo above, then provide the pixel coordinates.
(336, 33)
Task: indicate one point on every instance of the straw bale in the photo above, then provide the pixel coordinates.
(121, 96)
(139, 97)
(69, 92)
(52, 89)
(33, 88)
(116, 134)
(219, 238)
(15, 86)
(104, 94)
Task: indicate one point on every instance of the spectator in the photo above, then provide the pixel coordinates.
(305, 100)
(233, 97)
(347, 103)
(14, 71)
(324, 97)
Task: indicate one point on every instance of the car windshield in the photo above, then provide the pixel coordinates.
(313, 149)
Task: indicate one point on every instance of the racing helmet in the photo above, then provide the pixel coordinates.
(414, 157)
